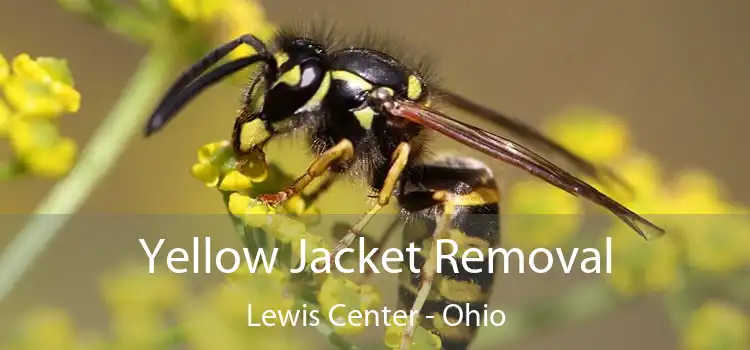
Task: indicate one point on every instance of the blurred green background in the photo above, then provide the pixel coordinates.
(675, 70)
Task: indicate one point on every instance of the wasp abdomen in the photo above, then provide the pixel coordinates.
(465, 190)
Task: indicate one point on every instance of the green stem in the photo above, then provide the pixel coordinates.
(101, 154)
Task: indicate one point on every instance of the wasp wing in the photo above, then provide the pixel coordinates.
(530, 134)
(517, 155)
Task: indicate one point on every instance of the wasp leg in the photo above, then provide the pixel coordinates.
(341, 152)
(398, 163)
(325, 185)
(429, 269)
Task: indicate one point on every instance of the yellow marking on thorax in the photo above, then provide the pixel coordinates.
(414, 88)
(351, 78)
(291, 77)
(253, 134)
(365, 117)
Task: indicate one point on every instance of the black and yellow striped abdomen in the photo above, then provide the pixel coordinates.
(473, 199)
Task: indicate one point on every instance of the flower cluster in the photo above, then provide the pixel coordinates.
(232, 18)
(718, 325)
(705, 231)
(36, 93)
(157, 311)
(706, 234)
(285, 226)
(188, 27)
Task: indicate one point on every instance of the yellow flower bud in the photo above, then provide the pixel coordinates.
(198, 10)
(718, 325)
(5, 117)
(640, 267)
(40, 99)
(541, 215)
(234, 181)
(286, 229)
(295, 205)
(311, 243)
(339, 290)
(24, 66)
(39, 146)
(597, 136)
(207, 152)
(258, 215)
(48, 329)
(238, 204)
(240, 17)
(42, 87)
(205, 172)
(4, 69)
(53, 161)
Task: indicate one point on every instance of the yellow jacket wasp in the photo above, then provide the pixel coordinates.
(366, 113)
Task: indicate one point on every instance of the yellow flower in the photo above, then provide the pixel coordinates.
(198, 10)
(219, 319)
(641, 267)
(41, 88)
(6, 116)
(696, 192)
(643, 173)
(312, 242)
(295, 205)
(718, 325)
(422, 339)
(239, 17)
(216, 161)
(132, 287)
(287, 229)
(48, 329)
(713, 232)
(235, 181)
(137, 328)
(540, 215)
(250, 211)
(206, 173)
(595, 135)
(38, 144)
(4, 69)
(137, 302)
(266, 291)
(337, 291)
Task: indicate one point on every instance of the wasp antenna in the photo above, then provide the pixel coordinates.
(169, 108)
(175, 95)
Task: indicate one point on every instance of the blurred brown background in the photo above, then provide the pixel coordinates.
(677, 70)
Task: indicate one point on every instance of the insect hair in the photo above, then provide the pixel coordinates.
(331, 37)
